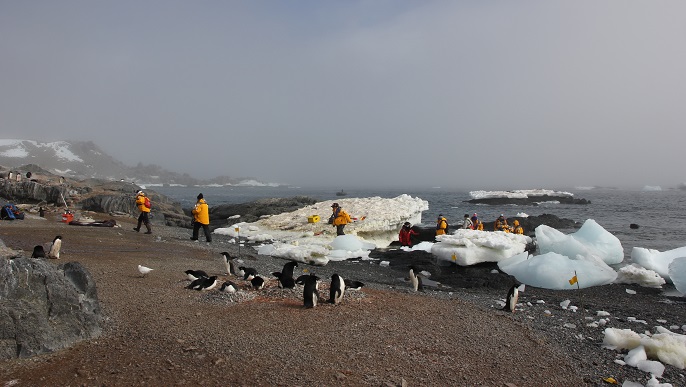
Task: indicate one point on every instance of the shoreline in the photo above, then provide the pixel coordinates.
(182, 334)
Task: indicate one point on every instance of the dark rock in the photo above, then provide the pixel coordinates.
(252, 211)
(27, 191)
(45, 307)
(633, 226)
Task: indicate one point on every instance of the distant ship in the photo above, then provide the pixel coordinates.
(341, 193)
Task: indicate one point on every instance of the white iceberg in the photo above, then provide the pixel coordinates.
(468, 247)
(666, 346)
(556, 271)
(677, 272)
(656, 260)
(636, 274)
(590, 240)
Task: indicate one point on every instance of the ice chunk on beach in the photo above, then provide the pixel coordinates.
(677, 272)
(667, 347)
(590, 239)
(468, 247)
(554, 271)
(656, 260)
(635, 274)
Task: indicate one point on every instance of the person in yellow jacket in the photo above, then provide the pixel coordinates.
(441, 225)
(201, 218)
(144, 217)
(501, 224)
(340, 218)
(479, 225)
(517, 228)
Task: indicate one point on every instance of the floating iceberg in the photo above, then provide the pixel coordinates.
(517, 194)
(590, 240)
(468, 247)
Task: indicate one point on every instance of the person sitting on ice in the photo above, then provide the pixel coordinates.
(501, 224)
(405, 235)
(479, 225)
(467, 222)
(517, 228)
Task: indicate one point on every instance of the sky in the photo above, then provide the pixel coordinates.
(387, 93)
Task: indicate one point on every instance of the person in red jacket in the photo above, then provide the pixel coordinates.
(405, 235)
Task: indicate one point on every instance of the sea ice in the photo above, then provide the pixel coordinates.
(656, 260)
(677, 272)
(468, 247)
(667, 347)
(636, 274)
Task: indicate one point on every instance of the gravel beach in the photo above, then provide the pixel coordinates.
(157, 332)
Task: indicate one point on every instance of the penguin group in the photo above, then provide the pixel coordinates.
(201, 281)
(52, 253)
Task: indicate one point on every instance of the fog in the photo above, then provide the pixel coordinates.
(473, 94)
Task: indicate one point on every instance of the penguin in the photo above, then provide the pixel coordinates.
(302, 279)
(144, 270)
(337, 289)
(229, 287)
(311, 290)
(415, 279)
(257, 282)
(38, 252)
(230, 264)
(55, 248)
(248, 273)
(285, 277)
(195, 274)
(353, 285)
(204, 283)
(512, 297)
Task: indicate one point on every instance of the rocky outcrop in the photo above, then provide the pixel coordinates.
(45, 307)
(225, 215)
(31, 191)
(531, 200)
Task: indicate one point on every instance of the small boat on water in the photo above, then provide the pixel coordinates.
(341, 193)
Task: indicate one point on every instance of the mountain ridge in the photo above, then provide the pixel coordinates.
(85, 160)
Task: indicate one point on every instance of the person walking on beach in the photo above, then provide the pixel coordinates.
(441, 225)
(144, 206)
(467, 222)
(405, 235)
(201, 218)
(340, 218)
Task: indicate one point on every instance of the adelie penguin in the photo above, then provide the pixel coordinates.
(353, 285)
(230, 264)
(257, 282)
(55, 248)
(511, 299)
(285, 277)
(195, 274)
(311, 290)
(229, 287)
(248, 273)
(337, 289)
(38, 252)
(415, 279)
(204, 283)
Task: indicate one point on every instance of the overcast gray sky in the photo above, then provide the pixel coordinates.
(468, 94)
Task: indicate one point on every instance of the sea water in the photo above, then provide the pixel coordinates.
(659, 214)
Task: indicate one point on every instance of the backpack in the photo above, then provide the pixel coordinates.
(7, 212)
(147, 203)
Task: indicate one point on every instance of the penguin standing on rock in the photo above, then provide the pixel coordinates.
(337, 289)
(415, 279)
(311, 290)
(285, 277)
(512, 297)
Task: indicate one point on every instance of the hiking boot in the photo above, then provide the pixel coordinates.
(136, 229)
(148, 232)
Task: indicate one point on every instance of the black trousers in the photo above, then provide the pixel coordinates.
(339, 229)
(205, 228)
(143, 218)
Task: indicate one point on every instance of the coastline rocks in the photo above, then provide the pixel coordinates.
(531, 200)
(45, 307)
(31, 191)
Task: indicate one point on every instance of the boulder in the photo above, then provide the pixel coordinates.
(45, 307)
